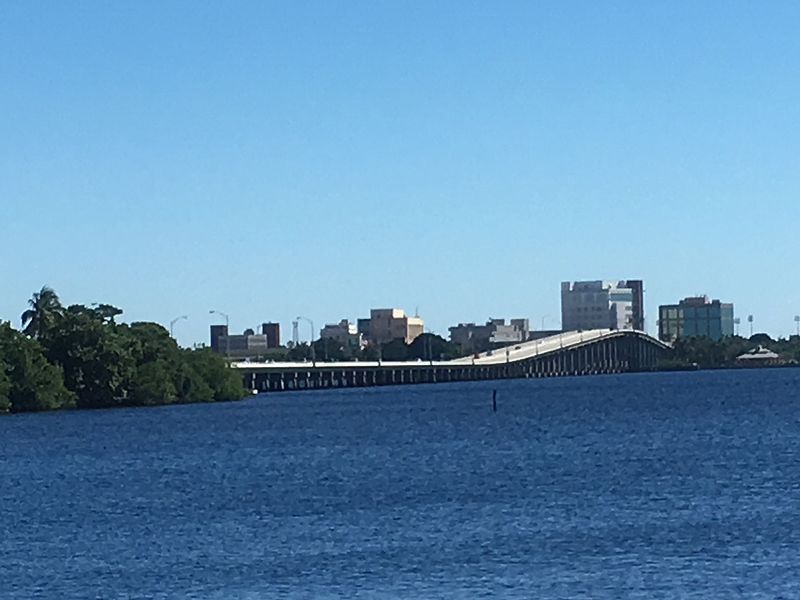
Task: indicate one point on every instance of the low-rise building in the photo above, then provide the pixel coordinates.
(247, 344)
(695, 316)
(760, 357)
(218, 332)
(241, 346)
(344, 332)
(387, 324)
(362, 325)
(495, 332)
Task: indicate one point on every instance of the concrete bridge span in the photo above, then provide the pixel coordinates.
(570, 353)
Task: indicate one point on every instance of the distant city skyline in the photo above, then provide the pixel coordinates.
(218, 318)
(269, 160)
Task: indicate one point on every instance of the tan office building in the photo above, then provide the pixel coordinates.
(387, 324)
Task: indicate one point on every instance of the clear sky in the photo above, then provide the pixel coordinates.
(320, 158)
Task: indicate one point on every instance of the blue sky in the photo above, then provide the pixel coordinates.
(320, 158)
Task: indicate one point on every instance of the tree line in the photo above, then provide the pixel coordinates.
(705, 353)
(81, 357)
(427, 346)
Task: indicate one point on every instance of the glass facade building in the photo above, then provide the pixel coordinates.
(695, 317)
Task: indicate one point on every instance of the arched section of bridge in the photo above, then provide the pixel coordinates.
(590, 354)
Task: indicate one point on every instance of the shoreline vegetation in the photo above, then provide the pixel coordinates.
(702, 353)
(80, 357)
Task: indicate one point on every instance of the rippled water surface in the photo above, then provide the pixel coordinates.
(634, 486)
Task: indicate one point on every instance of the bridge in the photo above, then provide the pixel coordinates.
(570, 353)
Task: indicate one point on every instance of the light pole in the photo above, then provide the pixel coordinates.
(311, 342)
(172, 324)
(427, 346)
(227, 331)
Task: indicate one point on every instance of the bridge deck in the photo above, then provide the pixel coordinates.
(515, 353)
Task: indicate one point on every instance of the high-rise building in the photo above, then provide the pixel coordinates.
(696, 316)
(602, 305)
(637, 303)
(273, 333)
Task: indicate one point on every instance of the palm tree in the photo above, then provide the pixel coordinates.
(44, 307)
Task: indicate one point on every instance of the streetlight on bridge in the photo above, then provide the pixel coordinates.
(311, 341)
(428, 346)
(172, 324)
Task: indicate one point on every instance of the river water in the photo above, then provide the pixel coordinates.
(671, 485)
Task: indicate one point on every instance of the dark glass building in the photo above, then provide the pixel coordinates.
(695, 317)
(273, 333)
(218, 332)
(637, 303)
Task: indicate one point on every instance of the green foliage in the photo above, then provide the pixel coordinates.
(760, 339)
(80, 356)
(274, 354)
(152, 342)
(30, 382)
(96, 357)
(44, 309)
(299, 352)
(5, 388)
(394, 350)
(706, 353)
(279, 354)
(673, 364)
(225, 383)
(329, 349)
(191, 385)
(153, 384)
(429, 346)
(370, 353)
(106, 312)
